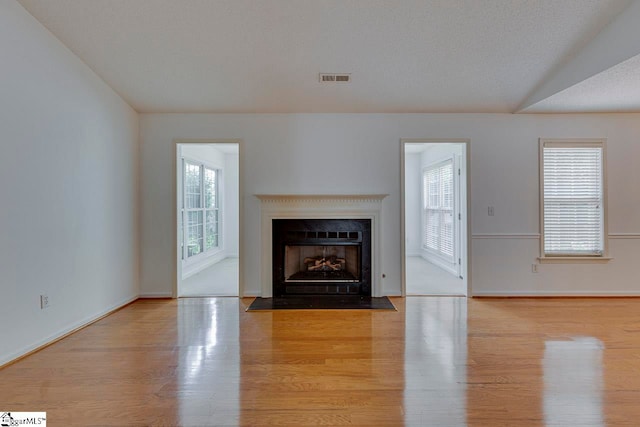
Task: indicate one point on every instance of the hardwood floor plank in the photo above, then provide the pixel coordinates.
(436, 361)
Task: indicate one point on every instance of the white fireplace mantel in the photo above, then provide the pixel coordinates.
(312, 206)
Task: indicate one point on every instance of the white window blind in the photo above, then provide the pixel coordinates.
(437, 232)
(573, 210)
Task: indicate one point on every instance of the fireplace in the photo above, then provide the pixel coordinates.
(329, 206)
(321, 256)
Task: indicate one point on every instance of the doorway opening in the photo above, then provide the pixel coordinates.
(435, 243)
(208, 212)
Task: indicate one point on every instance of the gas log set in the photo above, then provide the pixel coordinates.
(321, 263)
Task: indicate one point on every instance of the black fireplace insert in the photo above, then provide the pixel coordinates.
(321, 257)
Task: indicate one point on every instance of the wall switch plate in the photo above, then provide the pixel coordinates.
(44, 301)
(490, 210)
(534, 268)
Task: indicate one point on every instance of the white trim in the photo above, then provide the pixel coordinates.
(573, 259)
(572, 142)
(624, 236)
(306, 206)
(156, 295)
(69, 328)
(252, 294)
(506, 236)
(319, 199)
(569, 294)
(613, 236)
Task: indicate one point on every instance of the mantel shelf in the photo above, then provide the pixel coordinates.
(284, 198)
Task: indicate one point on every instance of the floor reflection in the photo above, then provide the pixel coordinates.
(573, 382)
(322, 367)
(208, 371)
(435, 361)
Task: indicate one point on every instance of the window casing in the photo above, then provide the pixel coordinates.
(200, 209)
(573, 199)
(438, 210)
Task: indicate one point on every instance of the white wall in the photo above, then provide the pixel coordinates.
(68, 185)
(360, 153)
(413, 204)
(232, 205)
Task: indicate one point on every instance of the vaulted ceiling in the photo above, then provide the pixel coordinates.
(403, 55)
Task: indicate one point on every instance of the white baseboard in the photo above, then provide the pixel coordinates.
(157, 295)
(70, 328)
(251, 295)
(558, 294)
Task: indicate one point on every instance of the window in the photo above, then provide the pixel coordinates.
(573, 198)
(437, 230)
(201, 209)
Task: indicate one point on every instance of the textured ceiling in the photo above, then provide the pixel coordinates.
(265, 56)
(614, 90)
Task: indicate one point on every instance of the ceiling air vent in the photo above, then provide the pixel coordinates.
(334, 78)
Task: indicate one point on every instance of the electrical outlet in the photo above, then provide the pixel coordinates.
(44, 301)
(534, 268)
(490, 210)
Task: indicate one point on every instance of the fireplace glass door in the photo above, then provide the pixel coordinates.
(321, 256)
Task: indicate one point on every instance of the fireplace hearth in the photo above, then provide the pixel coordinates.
(321, 257)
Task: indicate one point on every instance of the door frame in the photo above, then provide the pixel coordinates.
(467, 148)
(175, 211)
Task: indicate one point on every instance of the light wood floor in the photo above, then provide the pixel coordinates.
(437, 361)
